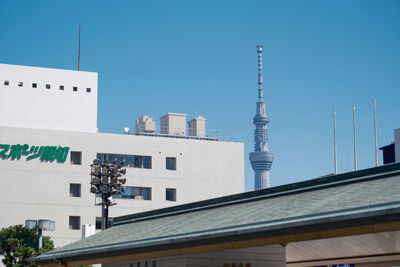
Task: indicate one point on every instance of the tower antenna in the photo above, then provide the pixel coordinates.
(79, 49)
(261, 159)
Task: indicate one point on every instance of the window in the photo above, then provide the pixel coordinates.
(76, 158)
(147, 162)
(20, 84)
(99, 220)
(171, 163)
(61, 87)
(74, 222)
(47, 86)
(98, 223)
(6, 82)
(75, 89)
(88, 90)
(131, 160)
(34, 85)
(170, 194)
(133, 192)
(75, 190)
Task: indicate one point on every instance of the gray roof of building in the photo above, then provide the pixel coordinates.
(330, 199)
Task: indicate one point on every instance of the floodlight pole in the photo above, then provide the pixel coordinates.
(107, 180)
(104, 212)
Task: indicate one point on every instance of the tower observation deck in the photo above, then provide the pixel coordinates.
(261, 159)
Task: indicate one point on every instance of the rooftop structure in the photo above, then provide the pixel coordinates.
(391, 152)
(261, 159)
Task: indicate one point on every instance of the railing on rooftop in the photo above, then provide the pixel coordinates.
(210, 135)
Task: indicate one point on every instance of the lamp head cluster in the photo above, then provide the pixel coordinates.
(108, 178)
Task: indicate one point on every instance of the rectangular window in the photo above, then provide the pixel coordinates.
(47, 86)
(132, 161)
(75, 88)
(98, 223)
(170, 194)
(6, 82)
(74, 222)
(76, 157)
(133, 192)
(88, 90)
(171, 163)
(61, 87)
(99, 220)
(34, 85)
(75, 190)
(20, 84)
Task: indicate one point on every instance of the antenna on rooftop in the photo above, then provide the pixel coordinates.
(79, 49)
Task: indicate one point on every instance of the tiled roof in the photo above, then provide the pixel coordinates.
(369, 192)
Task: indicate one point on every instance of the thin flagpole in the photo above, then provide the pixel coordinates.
(79, 49)
(354, 133)
(376, 140)
(334, 141)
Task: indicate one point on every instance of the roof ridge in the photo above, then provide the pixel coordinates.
(303, 186)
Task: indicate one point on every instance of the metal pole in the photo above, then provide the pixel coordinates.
(106, 216)
(40, 239)
(103, 212)
(376, 140)
(354, 133)
(79, 49)
(334, 141)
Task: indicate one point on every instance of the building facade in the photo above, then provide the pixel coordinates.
(47, 146)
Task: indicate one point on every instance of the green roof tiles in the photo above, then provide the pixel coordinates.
(372, 191)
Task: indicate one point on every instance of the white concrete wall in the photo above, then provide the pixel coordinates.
(48, 108)
(397, 144)
(40, 190)
(273, 256)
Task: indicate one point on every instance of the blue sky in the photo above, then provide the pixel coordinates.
(199, 58)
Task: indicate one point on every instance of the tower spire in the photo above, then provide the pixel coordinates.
(261, 159)
(260, 77)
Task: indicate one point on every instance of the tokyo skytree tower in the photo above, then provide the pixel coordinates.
(261, 159)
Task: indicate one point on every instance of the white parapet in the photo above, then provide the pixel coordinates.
(397, 145)
(33, 97)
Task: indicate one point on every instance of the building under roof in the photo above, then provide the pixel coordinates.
(349, 218)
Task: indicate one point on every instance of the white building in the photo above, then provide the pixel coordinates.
(49, 137)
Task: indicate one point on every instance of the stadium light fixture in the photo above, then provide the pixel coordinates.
(107, 180)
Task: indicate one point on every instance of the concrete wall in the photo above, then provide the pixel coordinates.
(273, 256)
(25, 106)
(35, 189)
(397, 144)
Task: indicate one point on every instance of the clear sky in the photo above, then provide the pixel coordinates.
(199, 58)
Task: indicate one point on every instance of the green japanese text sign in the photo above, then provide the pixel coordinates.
(45, 153)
